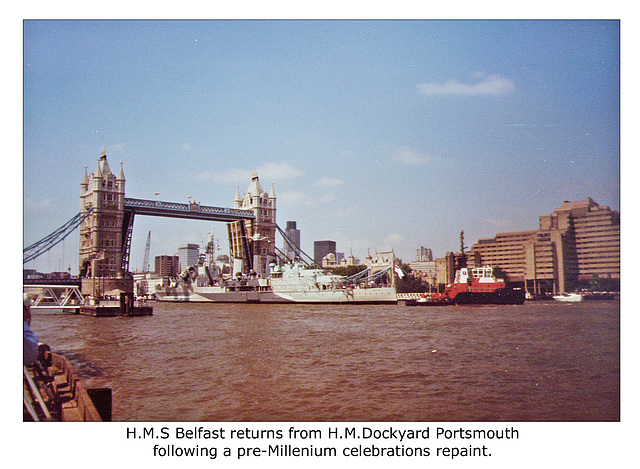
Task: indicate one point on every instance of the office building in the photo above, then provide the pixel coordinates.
(321, 249)
(187, 255)
(578, 243)
(424, 266)
(294, 235)
(445, 269)
(167, 266)
(424, 255)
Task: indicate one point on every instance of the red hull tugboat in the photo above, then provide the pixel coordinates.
(479, 286)
(474, 287)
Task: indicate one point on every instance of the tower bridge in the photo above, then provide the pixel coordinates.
(105, 234)
(106, 220)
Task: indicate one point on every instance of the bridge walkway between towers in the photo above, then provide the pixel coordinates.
(191, 210)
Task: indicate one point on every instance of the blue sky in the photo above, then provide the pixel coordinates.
(375, 134)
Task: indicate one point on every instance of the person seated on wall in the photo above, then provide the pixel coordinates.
(30, 352)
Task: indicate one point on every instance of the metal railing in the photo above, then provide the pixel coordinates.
(54, 296)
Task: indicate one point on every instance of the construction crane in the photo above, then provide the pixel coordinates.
(145, 264)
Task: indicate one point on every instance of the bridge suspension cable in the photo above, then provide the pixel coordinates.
(282, 257)
(36, 249)
(303, 256)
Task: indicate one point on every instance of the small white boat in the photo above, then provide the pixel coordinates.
(568, 297)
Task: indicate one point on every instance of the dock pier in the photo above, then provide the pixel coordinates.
(82, 297)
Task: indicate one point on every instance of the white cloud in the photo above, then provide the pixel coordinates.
(394, 239)
(228, 176)
(116, 147)
(278, 171)
(301, 199)
(37, 204)
(115, 150)
(409, 156)
(327, 182)
(267, 172)
(489, 85)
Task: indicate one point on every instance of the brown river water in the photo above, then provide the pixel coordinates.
(541, 361)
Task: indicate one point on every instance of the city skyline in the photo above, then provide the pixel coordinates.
(378, 135)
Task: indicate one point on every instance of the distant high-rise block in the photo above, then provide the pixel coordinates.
(321, 249)
(188, 255)
(167, 266)
(424, 254)
(294, 235)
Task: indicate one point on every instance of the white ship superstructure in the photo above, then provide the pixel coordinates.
(298, 283)
(290, 283)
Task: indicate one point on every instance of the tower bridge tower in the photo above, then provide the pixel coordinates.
(101, 232)
(107, 226)
(261, 232)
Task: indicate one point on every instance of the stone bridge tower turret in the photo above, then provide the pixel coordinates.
(262, 232)
(101, 233)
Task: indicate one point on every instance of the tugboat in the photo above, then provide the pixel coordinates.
(479, 286)
(474, 286)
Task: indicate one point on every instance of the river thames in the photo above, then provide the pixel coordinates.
(542, 361)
